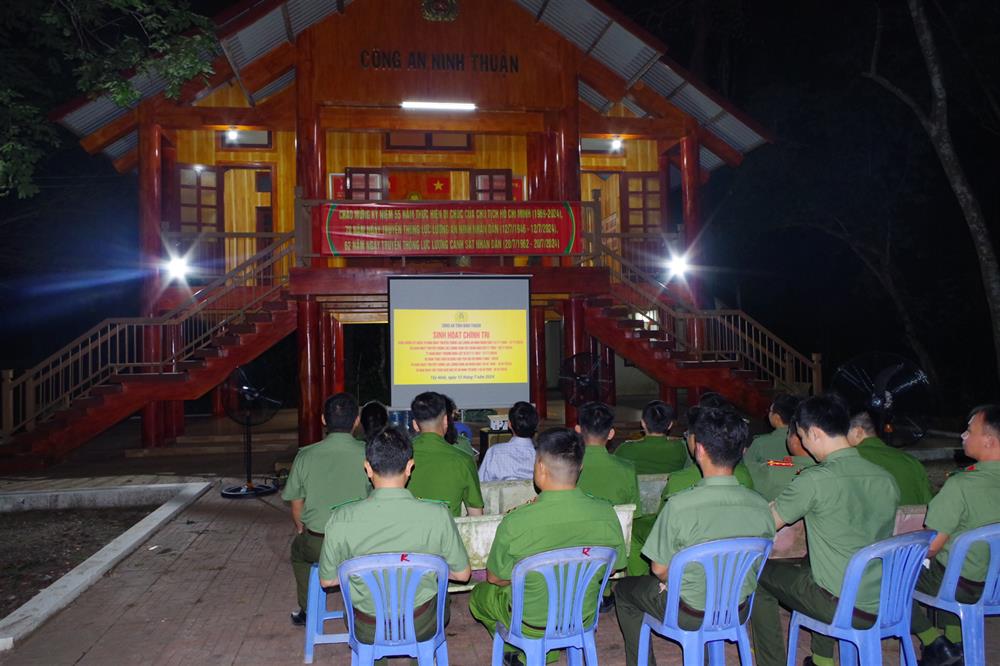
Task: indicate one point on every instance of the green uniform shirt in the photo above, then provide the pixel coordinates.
(556, 519)
(325, 474)
(390, 520)
(609, 478)
(771, 476)
(655, 454)
(910, 475)
(442, 472)
(848, 503)
(716, 508)
(967, 500)
(690, 476)
(768, 447)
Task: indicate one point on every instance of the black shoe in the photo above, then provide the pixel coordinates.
(608, 603)
(299, 618)
(808, 661)
(941, 652)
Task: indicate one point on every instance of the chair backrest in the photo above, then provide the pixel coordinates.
(989, 534)
(392, 580)
(727, 563)
(901, 558)
(568, 573)
(463, 429)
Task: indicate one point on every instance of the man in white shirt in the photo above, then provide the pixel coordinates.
(514, 459)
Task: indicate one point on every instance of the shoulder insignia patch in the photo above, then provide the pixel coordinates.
(784, 462)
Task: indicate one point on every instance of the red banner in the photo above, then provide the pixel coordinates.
(452, 228)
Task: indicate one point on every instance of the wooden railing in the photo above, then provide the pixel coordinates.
(704, 335)
(140, 345)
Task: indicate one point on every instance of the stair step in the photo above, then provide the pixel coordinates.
(616, 312)
(241, 329)
(258, 317)
(89, 401)
(275, 306)
(226, 340)
(154, 378)
(106, 389)
(732, 365)
(649, 334)
(195, 364)
(600, 302)
(208, 352)
(630, 323)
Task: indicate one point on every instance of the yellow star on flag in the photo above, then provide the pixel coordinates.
(438, 185)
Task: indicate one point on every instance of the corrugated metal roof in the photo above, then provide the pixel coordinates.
(304, 13)
(634, 108)
(122, 145)
(708, 159)
(275, 86)
(579, 21)
(593, 98)
(258, 38)
(623, 53)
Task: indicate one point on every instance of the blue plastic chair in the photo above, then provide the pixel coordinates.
(463, 429)
(392, 580)
(902, 557)
(568, 573)
(316, 615)
(727, 563)
(971, 615)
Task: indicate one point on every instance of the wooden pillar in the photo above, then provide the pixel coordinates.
(173, 410)
(690, 184)
(150, 256)
(668, 394)
(663, 167)
(326, 353)
(574, 342)
(310, 371)
(694, 394)
(537, 362)
(339, 365)
(310, 139)
(218, 402)
(608, 360)
(566, 147)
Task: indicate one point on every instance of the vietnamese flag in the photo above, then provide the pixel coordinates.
(437, 186)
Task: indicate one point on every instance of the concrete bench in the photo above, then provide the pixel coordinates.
(499, 497)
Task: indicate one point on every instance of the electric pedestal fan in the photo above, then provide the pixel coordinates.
(246, 401)
(585, 378)
(893, 389)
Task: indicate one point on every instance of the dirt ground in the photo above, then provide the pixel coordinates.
(39, 547)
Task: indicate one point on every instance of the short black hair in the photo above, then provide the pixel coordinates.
(340, 412)
(374, 417)
(784, 406)
(523, 418)
(827, 412)
(991, 417)
(864, 421)
(596, 419)
(428, 406)
(723, 434)
(658, 416)
(714, 400)
(561, 451)
(388, 451)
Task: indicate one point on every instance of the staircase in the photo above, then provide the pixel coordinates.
(727, 351)
(120, 365)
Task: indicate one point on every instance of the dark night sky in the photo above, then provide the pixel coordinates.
(843, 146)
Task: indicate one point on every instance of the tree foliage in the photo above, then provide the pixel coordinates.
(95, 46)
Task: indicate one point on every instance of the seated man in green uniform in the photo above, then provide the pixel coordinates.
(324, 474)
(442, 471)
(848, 503)
(968, 500)
(604, 475)
(772, 445)
(771, 476)
(716, 508)
(656, 453)
(562, 516)
(910, 475)
(391, 520)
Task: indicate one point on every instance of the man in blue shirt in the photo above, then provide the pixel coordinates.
(514, 459)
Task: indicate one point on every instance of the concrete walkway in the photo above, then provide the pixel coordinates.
(214, 586)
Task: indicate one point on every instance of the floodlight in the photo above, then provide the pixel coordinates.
(678, 265)
(233, 134)
(438, 106)
(199, 168)
(616, 144)
(177, 268)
